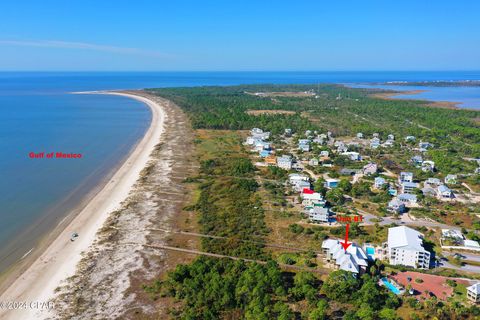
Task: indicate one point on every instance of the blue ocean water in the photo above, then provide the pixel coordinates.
(38, 114)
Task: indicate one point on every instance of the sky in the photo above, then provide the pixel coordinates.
(181, 35)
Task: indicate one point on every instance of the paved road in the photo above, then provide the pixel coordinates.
(466, 268)
(467, 256)
(404, 220)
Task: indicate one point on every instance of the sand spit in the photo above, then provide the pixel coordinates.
(96, 249)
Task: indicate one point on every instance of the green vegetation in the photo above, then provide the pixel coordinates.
(457, 131)
(232, 204)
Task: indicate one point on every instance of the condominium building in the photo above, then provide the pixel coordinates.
(405, 247)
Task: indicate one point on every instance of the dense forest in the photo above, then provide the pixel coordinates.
(335, 108)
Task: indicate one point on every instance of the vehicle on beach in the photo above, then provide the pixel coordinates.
(74, 236)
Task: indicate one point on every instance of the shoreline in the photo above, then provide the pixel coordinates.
(436, 104)
(59, 259)
(8, 276)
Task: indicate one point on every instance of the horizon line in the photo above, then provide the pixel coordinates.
(252, 70)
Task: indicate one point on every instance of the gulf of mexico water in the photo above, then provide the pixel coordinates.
(38, 114)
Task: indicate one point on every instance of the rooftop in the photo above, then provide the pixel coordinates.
(406, 238)
(475, 288)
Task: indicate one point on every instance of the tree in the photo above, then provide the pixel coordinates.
(335, 196)
(305, 286)
(365, 312)
(345, 185)
(320, 312)
(388, 314)
(361, 188)
(319, 186)
(283, 311)
(369, 294)
(340, 285)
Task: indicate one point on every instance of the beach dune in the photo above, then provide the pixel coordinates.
(29, 294)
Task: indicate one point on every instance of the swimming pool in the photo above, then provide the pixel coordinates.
(390, 286)
(370, 251)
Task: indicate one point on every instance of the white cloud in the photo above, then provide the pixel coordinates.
(84, 46)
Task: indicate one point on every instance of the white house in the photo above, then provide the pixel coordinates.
(444, 192)
(417, 160)
(360, 135)
(405, 177)
(409, 138)
(284, 162)
(396, 206)
(450, 179)
(452, 234)
(313, 162)
(428, 166)
(299, 181)
(374, 143)
(379, 183)
(432, 182)
(353, 259)
(310, 197)
(303, 141)
(261, 145)
(408, 187)
(405, 247)
(304, 147)
(324, 154)
(370, 168)
(319, 214)
(259, 134)
(352, 155)
(473, 293)
(407, 199)
(294, 177)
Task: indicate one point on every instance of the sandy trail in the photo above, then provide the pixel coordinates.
(36, 286)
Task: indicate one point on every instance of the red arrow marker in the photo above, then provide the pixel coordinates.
(345, 244)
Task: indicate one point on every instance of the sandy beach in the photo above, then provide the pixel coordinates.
(31, 292)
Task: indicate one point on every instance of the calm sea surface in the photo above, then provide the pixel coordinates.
(467, 97)
(37, 114)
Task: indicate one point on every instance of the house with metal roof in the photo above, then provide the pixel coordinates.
(396, 206)
(473, 293)
(379, 182)
(285, 162)
(444, 192)
(407, 199)
(353, 259)
(409, 187)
